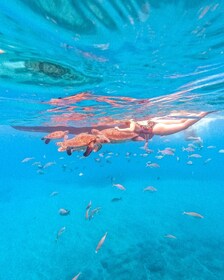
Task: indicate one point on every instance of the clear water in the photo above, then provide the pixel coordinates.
(163, 56)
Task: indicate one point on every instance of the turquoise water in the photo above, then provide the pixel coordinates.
(131, 60)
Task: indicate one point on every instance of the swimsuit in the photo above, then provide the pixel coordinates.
(147, 130)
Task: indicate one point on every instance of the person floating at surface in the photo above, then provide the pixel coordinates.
(159, 126)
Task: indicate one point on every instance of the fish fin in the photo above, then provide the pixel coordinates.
(69, 151)
(43, 138)
(47, 140)
(88, 151)
(97, 147)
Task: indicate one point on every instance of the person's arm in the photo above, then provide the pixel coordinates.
(131, 128)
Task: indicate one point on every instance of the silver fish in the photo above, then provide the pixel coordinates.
(63, 212)
(60, 232)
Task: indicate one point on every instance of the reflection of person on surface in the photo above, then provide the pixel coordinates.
(159, 126)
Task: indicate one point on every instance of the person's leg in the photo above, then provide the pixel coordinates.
(166, 129)
(186, 117)
(170, 121)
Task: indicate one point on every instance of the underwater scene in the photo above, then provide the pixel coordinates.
(111, 133)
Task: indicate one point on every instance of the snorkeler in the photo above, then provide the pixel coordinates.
(159, 126)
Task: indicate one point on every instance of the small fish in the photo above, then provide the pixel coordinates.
(192, 146)
(221, 151)
(195, 156)
(207, 160)
(101, 243)
(77, 276)
(170, 149)
(199, 142)
(27, 159)
(149, 151)
(159, 157)
(145, 155)
(211, 147)
(81, 174)
(119, 186)
(188, 149)
(190, 162)
(89, 205)
(49, 164)
(63, 212)
(193, 138)
(36, 163)
(60, 232)
(40, 166)
(115, 199)
(152, 165)
(177, 158)
(150, 188)
(40, 172)
(93, 212)
(170, 236)
(54, 193)
(167, 152)
(193, 214)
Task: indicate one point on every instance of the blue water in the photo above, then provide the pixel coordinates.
(164, 56)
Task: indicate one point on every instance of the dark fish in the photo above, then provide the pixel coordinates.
(115, 199)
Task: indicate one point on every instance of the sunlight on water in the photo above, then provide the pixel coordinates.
(83, 197)
(135, 49)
